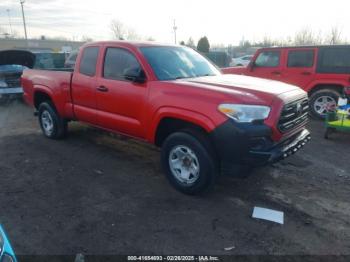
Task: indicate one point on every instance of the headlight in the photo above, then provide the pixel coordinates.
(245, 113)
(3, 84)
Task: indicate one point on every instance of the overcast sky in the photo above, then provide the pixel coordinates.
(223, 21)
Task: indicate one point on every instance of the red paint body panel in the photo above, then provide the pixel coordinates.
(135, 109)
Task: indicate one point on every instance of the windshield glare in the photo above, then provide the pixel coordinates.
(169, 63)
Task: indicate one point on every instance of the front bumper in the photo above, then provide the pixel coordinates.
(251, 144)
(281, 150)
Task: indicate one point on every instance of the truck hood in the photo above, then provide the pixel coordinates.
(17, 57)
(249, 89)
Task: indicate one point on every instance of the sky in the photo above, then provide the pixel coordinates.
(222, 21)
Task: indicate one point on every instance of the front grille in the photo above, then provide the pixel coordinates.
(293, 114)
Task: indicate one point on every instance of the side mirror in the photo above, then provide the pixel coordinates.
(251, 66)
(135, 74)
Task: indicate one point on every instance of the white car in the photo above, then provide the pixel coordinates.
(241, 61)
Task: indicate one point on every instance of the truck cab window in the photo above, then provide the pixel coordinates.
(300, 58)
(268, 59)
(88, 61)
(117, 62)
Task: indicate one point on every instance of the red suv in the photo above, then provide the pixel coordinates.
(322, 71)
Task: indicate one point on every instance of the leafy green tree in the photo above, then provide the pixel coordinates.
(182, 43)
(203, 45)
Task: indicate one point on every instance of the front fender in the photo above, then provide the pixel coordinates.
(334, 82)
(178, 113)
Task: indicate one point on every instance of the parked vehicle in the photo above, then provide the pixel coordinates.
(220, 59)
(6, 251)
(241, 61)
(174, 98)
(12, 64)
(322, 71)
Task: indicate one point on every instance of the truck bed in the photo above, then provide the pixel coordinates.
(56, 83)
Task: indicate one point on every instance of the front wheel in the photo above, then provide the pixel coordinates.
(52, 125)
(323, 101)
(188, 162)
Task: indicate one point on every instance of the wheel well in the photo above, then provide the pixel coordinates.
(335, 87)
(40, 97)
(168, 126)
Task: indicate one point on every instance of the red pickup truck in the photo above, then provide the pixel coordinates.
(173, 97)
(322, 71)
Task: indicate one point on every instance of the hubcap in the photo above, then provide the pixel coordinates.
(324, 104)
(47, 123)
(184, 164)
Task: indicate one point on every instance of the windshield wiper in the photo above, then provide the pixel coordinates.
(182, 77)
(205, 75)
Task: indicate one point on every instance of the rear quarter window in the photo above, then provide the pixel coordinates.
(88, 61)
(334, 60)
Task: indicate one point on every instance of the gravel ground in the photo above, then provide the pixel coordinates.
(95, 193)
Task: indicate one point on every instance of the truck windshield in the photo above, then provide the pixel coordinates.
(170, 63)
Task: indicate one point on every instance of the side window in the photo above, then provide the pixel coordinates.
(268, 59)
(300, 58)
(88, 61)
(334, 60)
(117, 62)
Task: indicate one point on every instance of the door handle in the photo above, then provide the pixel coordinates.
(102, 89)
(276, 73)
(306, 73)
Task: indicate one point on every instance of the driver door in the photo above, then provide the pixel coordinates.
(120, 102)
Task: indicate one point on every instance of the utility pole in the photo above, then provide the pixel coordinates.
(24, 22)
(175, 28)
(8, 14)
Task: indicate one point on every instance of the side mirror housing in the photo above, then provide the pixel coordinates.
(136, 75)
(251, 66)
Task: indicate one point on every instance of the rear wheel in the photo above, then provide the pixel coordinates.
(52, 125)
(189, 162)
(323, 101)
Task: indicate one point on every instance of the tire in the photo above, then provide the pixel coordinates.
(329, 96)
(197, 153)
(52, 125)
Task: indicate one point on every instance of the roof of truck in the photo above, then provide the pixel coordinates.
(130, 43)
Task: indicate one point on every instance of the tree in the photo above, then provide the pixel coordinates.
(182, 43)
(335, 36)
(118, 29)
(306, 37)
(203, 45)
(86, 38)
(190, 43)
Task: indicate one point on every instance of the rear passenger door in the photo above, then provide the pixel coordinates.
(300, 67)
(268, 64)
